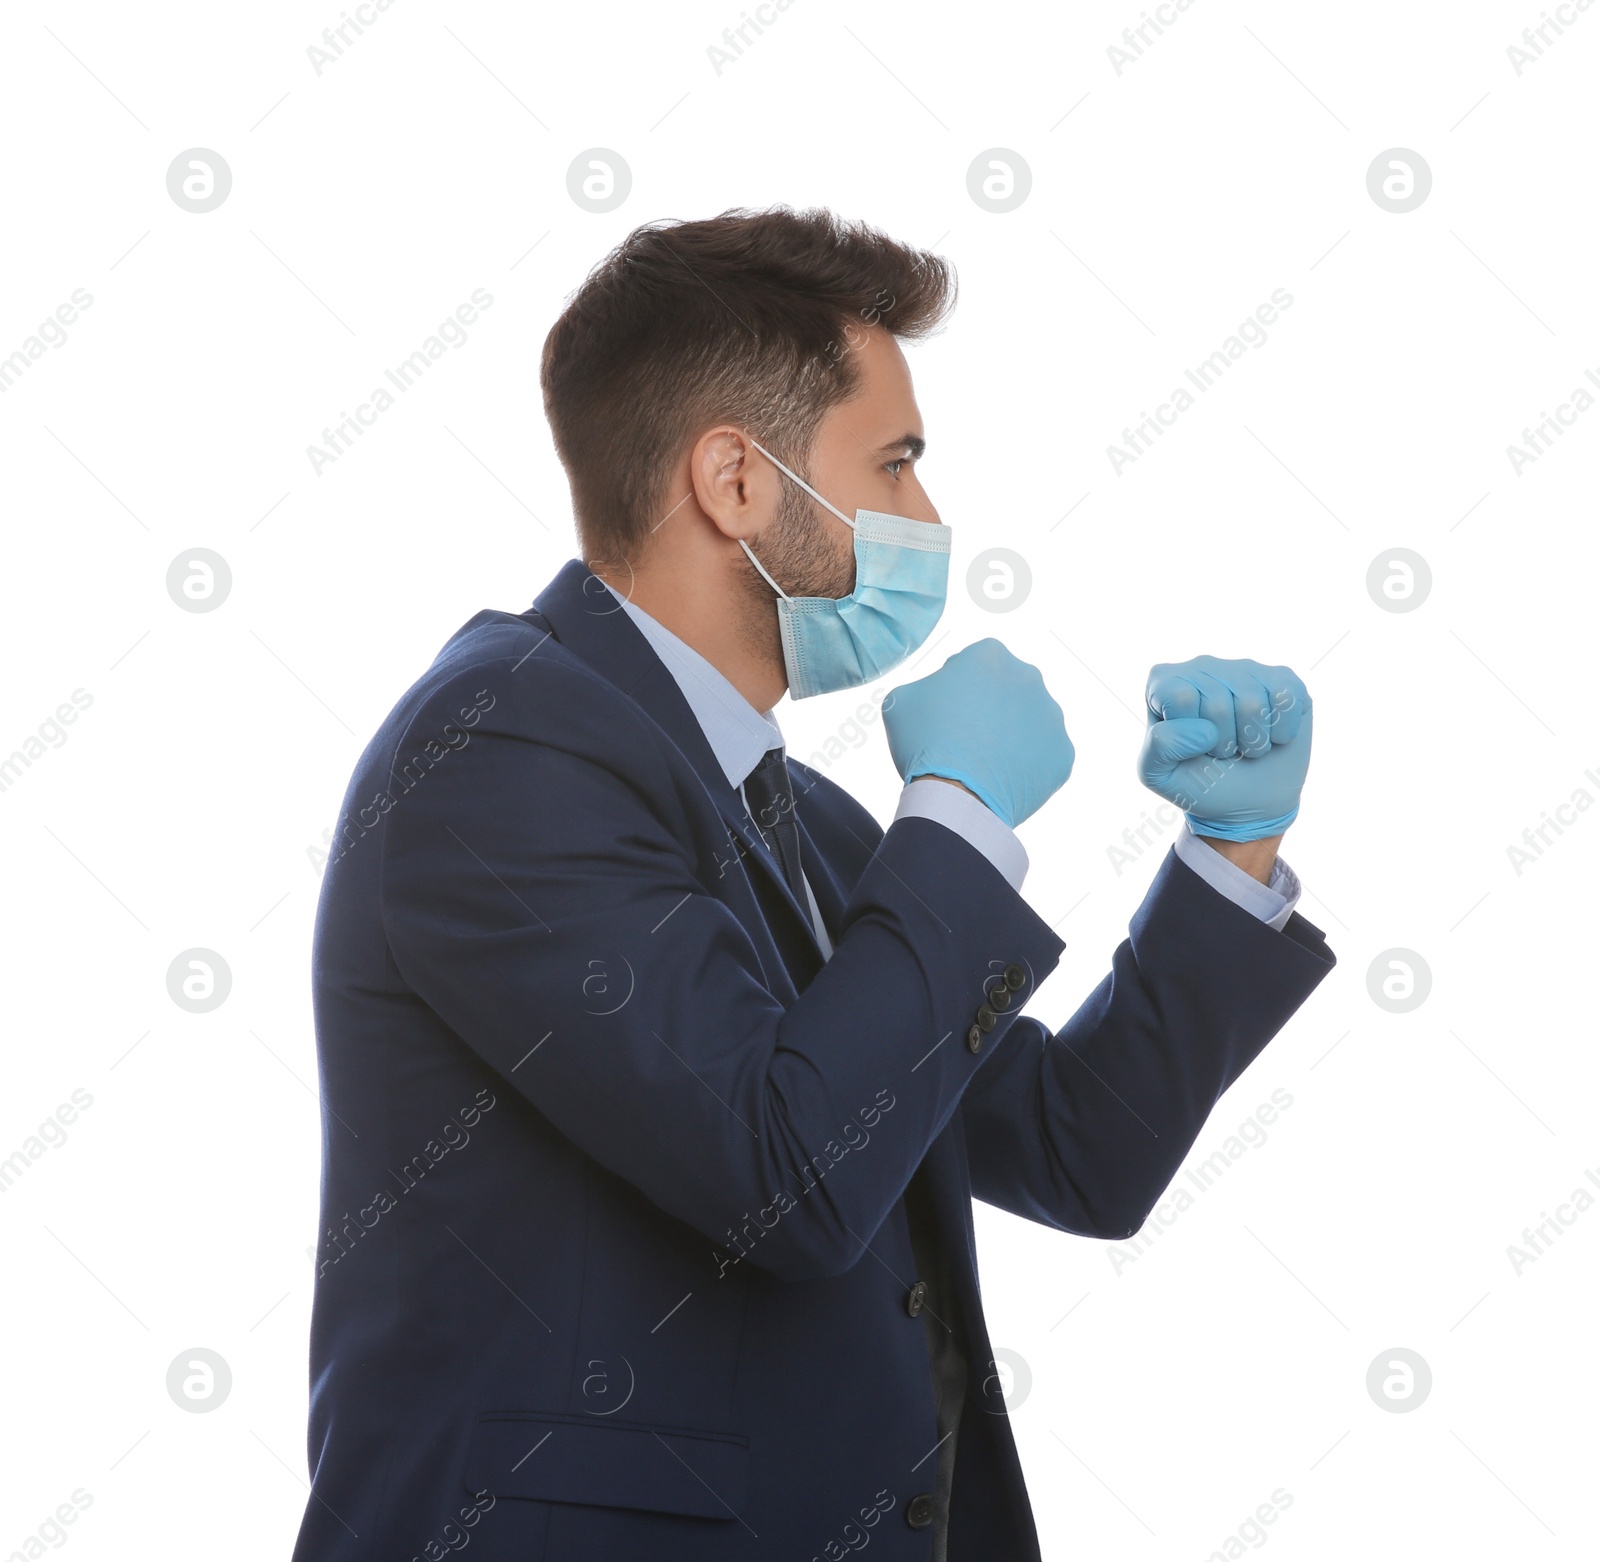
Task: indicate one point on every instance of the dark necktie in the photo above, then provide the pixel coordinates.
(771, 800)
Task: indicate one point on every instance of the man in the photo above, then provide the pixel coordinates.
(658, 1078)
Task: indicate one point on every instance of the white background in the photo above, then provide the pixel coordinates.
(1170, 1395)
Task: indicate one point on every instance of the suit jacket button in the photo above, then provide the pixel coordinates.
(919, 1511)
(986, 1017)
(975, 1039)
(1016, 978)
(999, 997)
(915, 1297)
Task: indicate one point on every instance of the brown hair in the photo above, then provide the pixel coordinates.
(745, 318)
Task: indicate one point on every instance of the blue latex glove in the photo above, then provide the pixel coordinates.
(1228, 742)
(984, 719)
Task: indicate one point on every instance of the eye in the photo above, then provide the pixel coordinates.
(893, 467)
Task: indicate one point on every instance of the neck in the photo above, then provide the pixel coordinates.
(703, 596)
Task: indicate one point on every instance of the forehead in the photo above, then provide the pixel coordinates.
(884, 384)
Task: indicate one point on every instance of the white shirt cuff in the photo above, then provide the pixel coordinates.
(1273, 902)
(975, 822)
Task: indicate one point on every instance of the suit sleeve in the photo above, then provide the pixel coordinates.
(544, 893)
(1085, 1129)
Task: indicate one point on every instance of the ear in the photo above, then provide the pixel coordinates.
(734, 484)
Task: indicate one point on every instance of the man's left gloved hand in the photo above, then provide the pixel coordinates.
(1228, 742)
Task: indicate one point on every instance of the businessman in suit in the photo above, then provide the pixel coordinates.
(658, 1077)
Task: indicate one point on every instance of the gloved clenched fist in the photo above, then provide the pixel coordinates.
(984, 719)
(1228, 742)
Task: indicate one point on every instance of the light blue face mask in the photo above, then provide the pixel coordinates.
(902, 568)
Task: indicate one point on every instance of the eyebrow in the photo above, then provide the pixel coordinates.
(914, 443)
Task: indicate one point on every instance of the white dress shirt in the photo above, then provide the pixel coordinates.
(739, 734)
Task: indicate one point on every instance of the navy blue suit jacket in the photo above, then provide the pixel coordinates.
(615, 1253)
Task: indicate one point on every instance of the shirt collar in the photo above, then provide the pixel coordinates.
(738, 733)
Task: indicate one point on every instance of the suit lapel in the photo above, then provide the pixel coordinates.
(589, 621)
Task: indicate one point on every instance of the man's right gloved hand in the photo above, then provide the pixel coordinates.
(984, 719)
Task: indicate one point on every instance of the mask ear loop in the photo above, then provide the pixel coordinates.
(764, 575)
(804, 484)
(795, 477)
